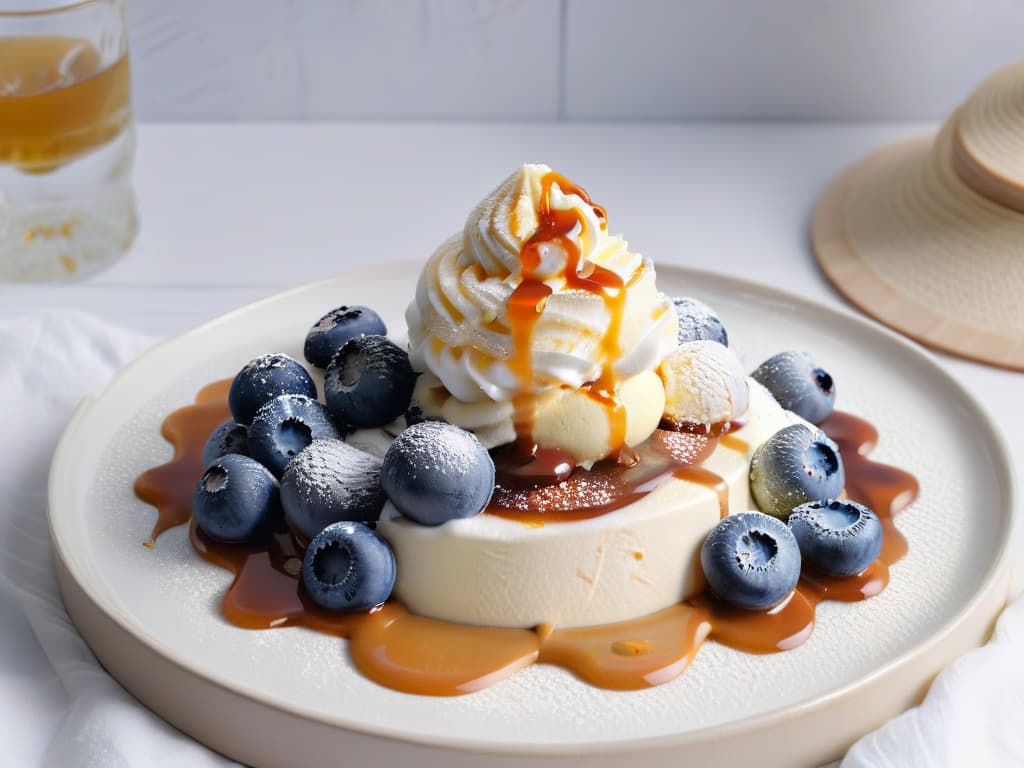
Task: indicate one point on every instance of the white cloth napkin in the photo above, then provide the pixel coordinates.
(66, 711)
(973, 714)
(58, 707)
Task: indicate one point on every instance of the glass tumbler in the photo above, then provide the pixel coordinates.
(67, 207)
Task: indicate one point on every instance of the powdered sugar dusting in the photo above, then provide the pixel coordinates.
(330, 473)
(684, 447)
(698, 321)
(266, 362)
(335, 316)
(579, 493)
(439, 448)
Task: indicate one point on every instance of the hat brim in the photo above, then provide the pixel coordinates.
(907, 241)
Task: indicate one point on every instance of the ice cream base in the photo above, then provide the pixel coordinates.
(499, 571)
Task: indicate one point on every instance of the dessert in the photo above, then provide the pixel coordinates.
(535, 269)
(540, 326)
(563, 468)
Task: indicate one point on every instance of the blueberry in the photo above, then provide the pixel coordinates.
(369, 383)
(286, 425)
(348, 567)
(751, 560)
(698, 322)
(839, 538)
(237, 499)
(229, 437)
(435, 472)
(264, 379)
(331, 331)
(331, 481)
(796, 465)
(799, 384)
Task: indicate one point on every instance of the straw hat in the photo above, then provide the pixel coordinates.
(927, 235)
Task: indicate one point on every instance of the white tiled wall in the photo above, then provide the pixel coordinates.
(260, 59)
(784, 58)
(564, 59)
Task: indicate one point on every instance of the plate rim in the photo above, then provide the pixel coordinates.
(995, 577)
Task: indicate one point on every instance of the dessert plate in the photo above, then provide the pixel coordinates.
(277, 697)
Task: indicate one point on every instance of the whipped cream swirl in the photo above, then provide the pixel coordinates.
(459, 326)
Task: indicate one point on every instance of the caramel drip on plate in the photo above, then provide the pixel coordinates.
(632, 655)
(885, 489)
(170, 486)
(436, 658)
(427, 656)
(557, 228)
(389, 645)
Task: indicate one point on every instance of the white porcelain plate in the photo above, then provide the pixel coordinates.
(287, 696)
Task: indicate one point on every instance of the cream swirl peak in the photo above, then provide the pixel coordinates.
(536, 296)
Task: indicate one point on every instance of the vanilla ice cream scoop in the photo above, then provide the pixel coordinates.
(570, 420)
(704, 384)
(532, 302)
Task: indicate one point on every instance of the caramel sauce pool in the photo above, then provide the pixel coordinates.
(419, 655)
(609, 485)
(169, 487)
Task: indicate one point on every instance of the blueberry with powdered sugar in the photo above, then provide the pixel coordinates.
(284, 426)
(328, 482)
(751, 560)
(435, 472)
(799, 384)
(348, 567)
(698, 322)
(369, 383)
(237, 500)
(796, 465)
(333, 330)
(229, 437)
(264, 379)
(839, 537)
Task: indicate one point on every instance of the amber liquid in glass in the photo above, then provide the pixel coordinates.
(58, 101)
(67, 208)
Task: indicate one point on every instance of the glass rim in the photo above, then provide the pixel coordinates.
(59, 7)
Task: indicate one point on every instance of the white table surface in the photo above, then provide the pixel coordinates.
(231, 213)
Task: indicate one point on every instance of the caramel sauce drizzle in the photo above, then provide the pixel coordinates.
(557, 228)
(885, 489)
(524, 310)
(426, 656)
(170, 486)
(609, 485)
